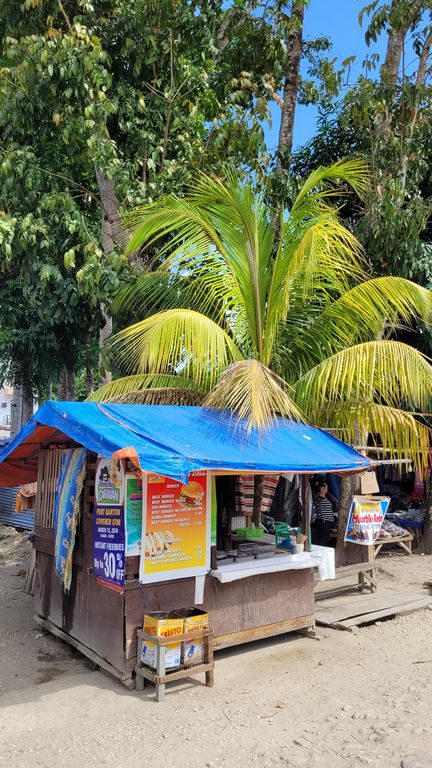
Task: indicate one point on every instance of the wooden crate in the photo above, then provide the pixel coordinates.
(161, 676)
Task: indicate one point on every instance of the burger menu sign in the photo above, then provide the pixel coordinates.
(175, 539)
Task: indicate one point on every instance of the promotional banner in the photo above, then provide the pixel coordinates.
(134, 505)
(109, 524)
(366, 518)
(175, 539)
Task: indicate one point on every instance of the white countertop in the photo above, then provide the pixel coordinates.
(320, 557)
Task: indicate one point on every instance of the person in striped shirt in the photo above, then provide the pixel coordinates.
(325, 516)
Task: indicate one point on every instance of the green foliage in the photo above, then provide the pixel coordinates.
(395, 226)
(138, 90)
(266, 319)
(389, 124)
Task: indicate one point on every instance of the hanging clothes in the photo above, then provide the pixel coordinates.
(66, 510)
(244, 495)
(245, 492)
(286, 503)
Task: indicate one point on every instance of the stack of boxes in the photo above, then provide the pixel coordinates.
(170, 624)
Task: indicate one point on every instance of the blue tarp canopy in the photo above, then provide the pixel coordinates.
(174, 440)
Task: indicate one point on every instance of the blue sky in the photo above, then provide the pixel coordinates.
(338, 20)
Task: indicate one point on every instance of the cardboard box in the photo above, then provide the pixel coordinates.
(194, 620)
(162, 625)
(369, 483)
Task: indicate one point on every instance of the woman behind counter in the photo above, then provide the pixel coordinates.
(325, 516)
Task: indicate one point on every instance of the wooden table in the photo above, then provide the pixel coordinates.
(404, 541)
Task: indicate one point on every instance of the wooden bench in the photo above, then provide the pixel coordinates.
(365, 573)
(160, 676)
(404, 541)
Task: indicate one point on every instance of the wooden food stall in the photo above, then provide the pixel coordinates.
(126, 522)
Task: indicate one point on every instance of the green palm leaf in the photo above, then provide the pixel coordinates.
(401, 433)
(242, 302)
(367, 311)
(352, 172)
(253, 393)
(387, 372)
(139, 384)
(176, 341)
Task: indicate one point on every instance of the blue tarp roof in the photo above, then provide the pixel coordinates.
(174, 440)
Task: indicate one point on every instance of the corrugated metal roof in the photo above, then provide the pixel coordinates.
(8, 516)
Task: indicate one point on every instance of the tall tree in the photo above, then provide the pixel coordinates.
(105, 105)
(386, 119)
(291, 82)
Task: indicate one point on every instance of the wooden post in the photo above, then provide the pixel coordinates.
(306, 516)
(209, 659)
(160, 671)
(139, 679)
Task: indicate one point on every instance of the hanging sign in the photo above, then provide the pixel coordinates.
(176, 525)
(109, 524)
(365, 519)
(133, 505)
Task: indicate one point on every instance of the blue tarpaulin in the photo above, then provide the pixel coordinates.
(173, 441)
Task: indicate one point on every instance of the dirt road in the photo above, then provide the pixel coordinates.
(361, 699)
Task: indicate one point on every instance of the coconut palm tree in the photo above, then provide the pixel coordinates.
(263, 317)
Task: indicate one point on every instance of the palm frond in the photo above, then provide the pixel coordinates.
(223, 235)
(153, 291)
(176, 341)
(141, 382)
(163, 396)
(317, 258)
(253, 393)
(354, 172)
(361, 314)
(399, 433)
(387, 372)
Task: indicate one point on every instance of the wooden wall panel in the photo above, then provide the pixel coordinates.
(90, 612)
(241, 605)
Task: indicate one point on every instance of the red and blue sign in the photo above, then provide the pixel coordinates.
(109, 540)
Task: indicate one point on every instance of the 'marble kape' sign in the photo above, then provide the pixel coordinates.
(365, 519)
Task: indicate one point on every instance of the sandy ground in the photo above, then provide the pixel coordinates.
(361, 699)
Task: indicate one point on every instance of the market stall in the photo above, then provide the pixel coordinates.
(127, 522)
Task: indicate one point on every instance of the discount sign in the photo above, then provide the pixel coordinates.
(108, 525)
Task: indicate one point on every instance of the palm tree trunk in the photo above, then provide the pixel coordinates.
(425, 546)
(346, 553)
(292, 74)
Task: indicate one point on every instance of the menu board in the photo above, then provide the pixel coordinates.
(175, 538)
(108, 524)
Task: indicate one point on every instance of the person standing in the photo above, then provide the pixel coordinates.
(325, 517)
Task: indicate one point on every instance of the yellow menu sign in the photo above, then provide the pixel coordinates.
(175, 537)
